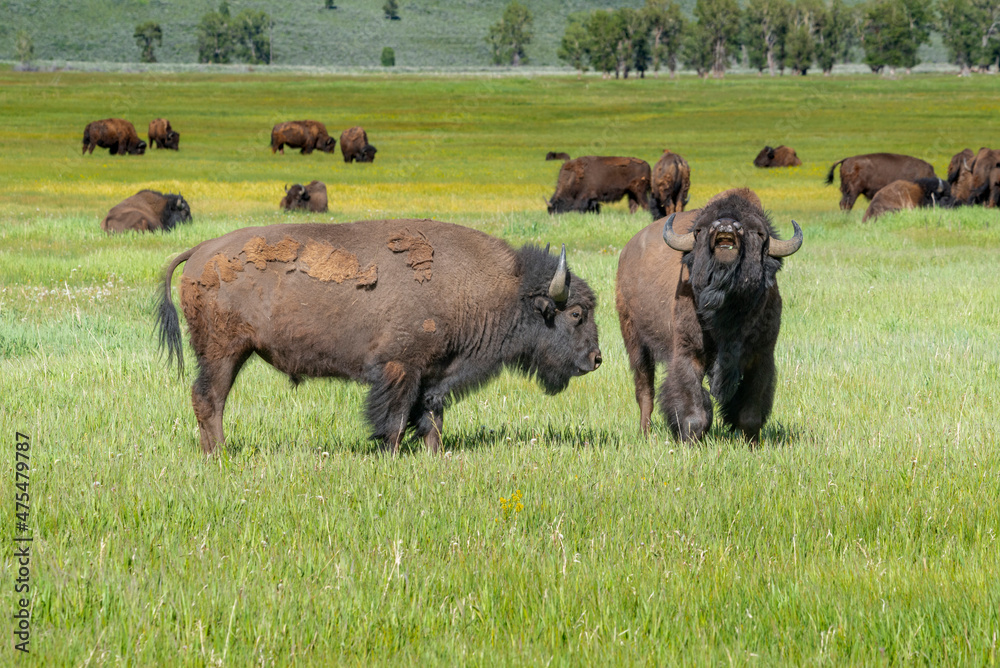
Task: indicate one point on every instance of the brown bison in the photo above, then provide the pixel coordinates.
(552, 155)
(422, 311)
(671, 182)
(986, 178)
(146, 211)
(960, 176)
(869, 173)
(308, 198)
(699, 294)
(307, 135)
(900, 195)
(161, 135)
(355, 147)
(115, 134)
(587, 181)
(782, 156)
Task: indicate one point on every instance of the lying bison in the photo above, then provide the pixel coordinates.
(420, 310)
(699, 294)
(307, 135)
(161, 135)
(585, 182)
(782, 156)
(552, 155)
(869, 173)
(146, 211)
(902, 195)
(670, 185)
(960, 176)
(355, 147)
(307, 198)
(115, 134)
(985, 187)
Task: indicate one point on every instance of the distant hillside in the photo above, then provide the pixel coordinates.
(432, 33)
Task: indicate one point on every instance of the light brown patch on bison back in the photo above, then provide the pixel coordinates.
(259, 253)
(421, 257)
(429, 326)
(326, 263)
(226, 268)
(394, 372)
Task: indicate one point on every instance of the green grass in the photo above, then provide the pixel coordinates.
(861, 532)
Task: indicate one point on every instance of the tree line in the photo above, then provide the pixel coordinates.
(766, 35)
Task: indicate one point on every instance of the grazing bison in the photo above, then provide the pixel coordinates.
(308, 198)
(960, 176)
(161, 135)
(146, 211)
(115, 134)
(783, 156)
(869, 173)
(307, 135)
(354, 145)
(422, 311)
(671, 182)
(900, 195)
(585, 182)
(705, 302)
(552, 155)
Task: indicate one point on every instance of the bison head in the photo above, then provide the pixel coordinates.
(732, 257)
(295, 197)
(327, 144)
(177, 210)
(764, 158)
(173, 140)
(367, 154)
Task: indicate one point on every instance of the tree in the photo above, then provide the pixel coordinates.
(832, 31)
(24, 46)
(388, 57)
(509, 37)
(251, 36)
(145, 35)
(215, 43)
(331, 4)
(765, 26)
(800, 44)
(603, 31)
(632, 48)
(893, 32)
(970, 29)
(666, 30)
(391, 10)
(719, 23)
(699, 50)
(573, 47)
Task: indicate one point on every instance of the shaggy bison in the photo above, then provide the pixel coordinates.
(307, 135)
(422, 311)
(585, 182)
(960, 176)
(115, 134)
(985, 187)
(161, 135)
(699, 294)
(308, 198)
(552, 155)
(900, 195)
(869, 173)
(782, 156)
(671, 182)
(146, 211)
(355, 147)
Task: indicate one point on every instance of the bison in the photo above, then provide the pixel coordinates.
(355, 147)
(960, 176)
(553, 155)
(146, 211)
(585, 182)
(705, 302)
(900, 195)
(308, 198)
(985, 187)
(115, 134)
(307, 135)
(670, 185)
(783, 156)
(869, 173)
(420, 310)
(161, 135)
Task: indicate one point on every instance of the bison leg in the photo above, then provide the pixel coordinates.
(749, 408)
(686, 404)
(848, 199)
(430, 424)
(643, 366)
(208, 396)
(657, 208)
(390, 403)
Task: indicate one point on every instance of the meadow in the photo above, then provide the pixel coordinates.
(861, 531)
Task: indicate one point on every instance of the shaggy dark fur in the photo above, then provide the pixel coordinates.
(670, 185)
(422, 311)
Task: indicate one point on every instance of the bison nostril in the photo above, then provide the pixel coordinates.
(597, 360)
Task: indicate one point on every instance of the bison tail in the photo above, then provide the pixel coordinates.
(829, 175)
(167, 323)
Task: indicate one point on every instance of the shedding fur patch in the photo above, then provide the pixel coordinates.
(394, 372)
(259, 253)
(226, 268)
(327, 263)
(421, 257)
(429, 326)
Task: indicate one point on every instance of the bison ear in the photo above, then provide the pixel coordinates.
(547, 248)
(546, 307)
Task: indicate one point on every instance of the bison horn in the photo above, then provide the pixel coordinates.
(547, 248)
(680, 242)
(779, 248)
(559, 288)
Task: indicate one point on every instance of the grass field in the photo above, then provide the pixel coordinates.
(861, 532)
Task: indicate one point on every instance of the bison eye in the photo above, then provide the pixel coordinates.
(576, 314)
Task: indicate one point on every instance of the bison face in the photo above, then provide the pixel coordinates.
(295, 197)
(726, 238)
(764, 158)
(138, 149)
(177, 210)
(367, 154)
(327, 145)
(173, 140)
